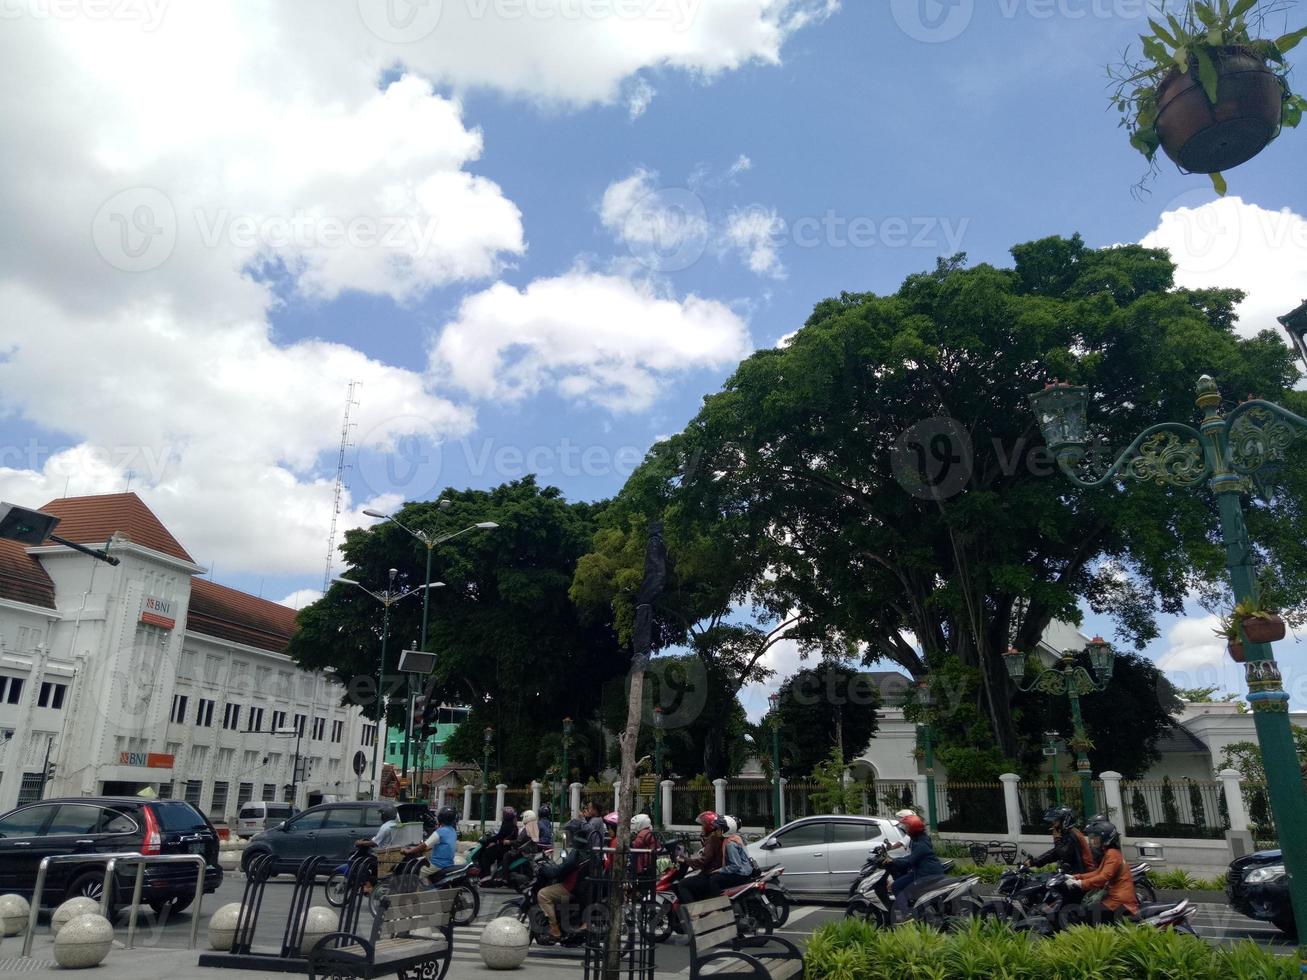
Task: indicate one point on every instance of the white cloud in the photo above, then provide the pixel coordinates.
(638, 98)
(1230, 243)
(1196, 657)
(754, 233)
(596, 338)
(739, 166)
(301, 598)
(665, 228)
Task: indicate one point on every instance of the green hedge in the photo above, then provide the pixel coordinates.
(854, 950)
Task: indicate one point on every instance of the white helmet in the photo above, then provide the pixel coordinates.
(640, 822)
(905, 813)
(529, 816)
(732, 825)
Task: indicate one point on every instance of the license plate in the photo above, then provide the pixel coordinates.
(196, 847)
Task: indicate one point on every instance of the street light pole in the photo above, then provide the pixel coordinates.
(927, 698)
(658, 721)
(774, 702)
(1232, 454)
(485, 776)
(567, 737)
(1051, 751)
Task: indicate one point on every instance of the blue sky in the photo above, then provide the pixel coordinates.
(750, 140)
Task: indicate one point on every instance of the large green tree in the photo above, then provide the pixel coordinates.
(508, 640)
(882, 474)
(828, 707)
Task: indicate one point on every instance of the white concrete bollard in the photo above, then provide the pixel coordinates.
(84, 940)
(504, 944)
(319, 922)
(70, 910)
(14, 911)
(222, 926)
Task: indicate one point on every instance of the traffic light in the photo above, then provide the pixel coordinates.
(429, 712)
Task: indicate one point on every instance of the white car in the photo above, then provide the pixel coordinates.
(823, 854)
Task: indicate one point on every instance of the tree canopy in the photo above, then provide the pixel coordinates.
(828, 707)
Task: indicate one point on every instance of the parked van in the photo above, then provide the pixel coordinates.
(256, 817)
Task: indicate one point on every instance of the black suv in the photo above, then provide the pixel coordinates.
(1258, 886)
(103, 825)
(328, 830)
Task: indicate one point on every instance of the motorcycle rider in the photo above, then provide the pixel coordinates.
(917, 869)
(442, 845)
(546, 826)
(498, 845)
(708, 860)
(1070, 850)
(643, 839)
(594, 825)
(566, 874)
(1111, 874)
(736, 868)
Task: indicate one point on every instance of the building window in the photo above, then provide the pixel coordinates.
(165, 791)
(337, 730)
(51, 696)
(299, 724)
(288, 794)
(231, 716)
(269, 793)
(225, 759)
(199, 756)
(244, 793)
(256, 720)
(178, 708)
(319, 728)
(369, 735)
(11, 689)
(278, 720)
(219, 805)
(174, 750)
(193, 788)
(29, 791)
(204, 713)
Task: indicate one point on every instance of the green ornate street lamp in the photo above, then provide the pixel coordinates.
(658, 722)
(567, 777)
(926, 738)
(485, 776)
(1051, 751)
(1231, 453)
(774, 702)
(1071, 679)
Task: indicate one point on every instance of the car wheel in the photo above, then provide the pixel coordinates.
(90, 884)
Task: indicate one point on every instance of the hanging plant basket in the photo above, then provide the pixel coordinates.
(1207, 137)
(1263, 629)
(1235, 649)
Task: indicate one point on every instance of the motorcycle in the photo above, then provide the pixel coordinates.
(752, 901)
(407, 877)
(1021, 892)
(1058, 895)
(515, 866)
(526, 909)
(938, 903)
(776, 896)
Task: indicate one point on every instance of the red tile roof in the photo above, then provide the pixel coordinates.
(216, 610)
(22, 578)
(91, 520)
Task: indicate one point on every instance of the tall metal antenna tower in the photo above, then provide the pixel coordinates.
(341, 483)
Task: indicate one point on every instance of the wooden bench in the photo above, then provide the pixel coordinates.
(716, 948)
(392, 946)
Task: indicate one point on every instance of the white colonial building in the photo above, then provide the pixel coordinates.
(115, 679)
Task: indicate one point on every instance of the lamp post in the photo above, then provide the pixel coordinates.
(658, 722)
(387, 599)
(1231, 453)
(926, 734)
(1050, 750)
(774, 702)
(567, 773)
(485, 776)
(429, 542)
(1071, 679)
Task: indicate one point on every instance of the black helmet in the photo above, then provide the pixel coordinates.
(574, 831)
(1061, 814)
(545, 813)
(388, 813)
(509, 814)
(447, 816)
(1105, 830)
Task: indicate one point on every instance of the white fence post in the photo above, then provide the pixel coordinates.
(440, 797)
(467, 803)
(780, 817)
(535, 795)
(1011, 804)
(574, 790)
(1115, 803)
(500, 789)
(719, 795)
(921, 796)
(666, 787)
(1230, 780)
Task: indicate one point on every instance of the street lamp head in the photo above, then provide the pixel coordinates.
(1060, 410)
(924, 693)
(368, 512)
(431, 585)
(1295, 322)
(1101, 657)
(1015, 661)
(490, 735)
(774, 700)
(658, 719)
(341, 580)
(567, 726)
(444, 504)
(487, 525)
(393, 573)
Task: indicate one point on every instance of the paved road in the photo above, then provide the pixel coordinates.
(1216, 923)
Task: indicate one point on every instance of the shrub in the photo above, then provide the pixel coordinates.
(855, 950)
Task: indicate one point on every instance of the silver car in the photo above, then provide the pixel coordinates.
(822, 855)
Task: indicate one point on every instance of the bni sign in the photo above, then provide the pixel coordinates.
(158, 612)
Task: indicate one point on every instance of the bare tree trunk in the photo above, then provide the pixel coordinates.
(655, 572)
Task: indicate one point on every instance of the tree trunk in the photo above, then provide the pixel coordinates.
(655, 571)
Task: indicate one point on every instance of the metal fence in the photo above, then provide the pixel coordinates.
(690, 801)
(1181, 808)
(519, 800)
(752, 802)
(1036, 797)
(973, 808)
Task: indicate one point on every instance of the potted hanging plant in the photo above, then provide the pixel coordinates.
(1211, 87)
(1260, 625)
(1229, 631)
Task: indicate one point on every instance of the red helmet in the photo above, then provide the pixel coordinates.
(913, 825)
(706, 820)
